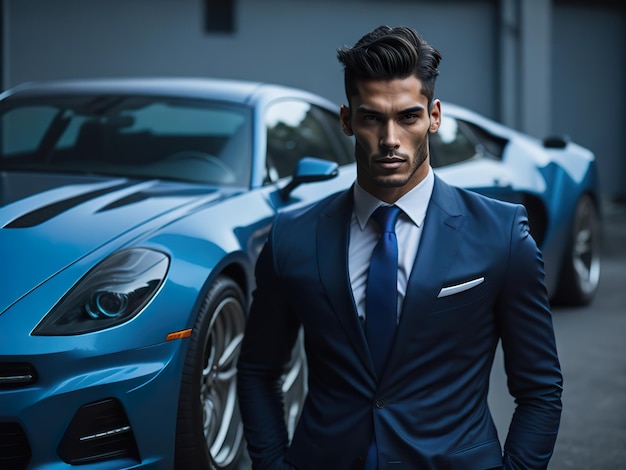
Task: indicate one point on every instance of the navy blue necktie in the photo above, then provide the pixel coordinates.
(381, 298)
(381, 295)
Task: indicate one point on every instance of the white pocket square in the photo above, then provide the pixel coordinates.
(451, 290)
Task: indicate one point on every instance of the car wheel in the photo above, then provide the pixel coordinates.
(209, 432)
(580, 273)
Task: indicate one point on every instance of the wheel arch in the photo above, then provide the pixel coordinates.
(238, 267)
(242, 276)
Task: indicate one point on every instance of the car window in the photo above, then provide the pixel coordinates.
(451, 144)
(490, 145)
(143, 137)
(297, 129)
(24, 128)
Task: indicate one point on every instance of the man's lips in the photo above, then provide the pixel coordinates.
(389, 161)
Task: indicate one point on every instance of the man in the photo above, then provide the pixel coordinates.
(412, 395)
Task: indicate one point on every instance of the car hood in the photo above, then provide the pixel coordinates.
(48, 222)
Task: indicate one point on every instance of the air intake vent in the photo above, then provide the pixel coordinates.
(99, 431)
(45, 213)
(16, 374)
(15, 451)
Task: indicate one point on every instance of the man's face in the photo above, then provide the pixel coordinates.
(390, 121)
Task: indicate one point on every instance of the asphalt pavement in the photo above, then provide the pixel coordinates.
(592, 350)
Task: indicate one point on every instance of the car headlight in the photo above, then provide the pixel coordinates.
(111, 293)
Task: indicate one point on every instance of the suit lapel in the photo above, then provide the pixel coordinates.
(333, 231)
(439, 243)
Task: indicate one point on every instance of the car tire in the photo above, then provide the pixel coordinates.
(209, 432)
(580, 271)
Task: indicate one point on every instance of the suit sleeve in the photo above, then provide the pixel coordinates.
(270, 336)
(530, 355)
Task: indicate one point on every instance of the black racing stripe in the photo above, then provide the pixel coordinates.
(46, 213)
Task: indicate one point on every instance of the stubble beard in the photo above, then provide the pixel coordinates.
(396, 181)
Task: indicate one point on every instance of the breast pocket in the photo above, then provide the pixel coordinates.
(461, 287)
(461, 294)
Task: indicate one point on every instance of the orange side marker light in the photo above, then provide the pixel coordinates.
(178, 335)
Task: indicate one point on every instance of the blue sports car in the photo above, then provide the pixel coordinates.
(131, 214)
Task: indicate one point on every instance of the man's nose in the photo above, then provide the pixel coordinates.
(389, 136)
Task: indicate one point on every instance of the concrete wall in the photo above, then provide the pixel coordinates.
(289, 42)
(589, 87)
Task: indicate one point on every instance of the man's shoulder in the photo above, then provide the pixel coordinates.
(467, 200)
(294, 229)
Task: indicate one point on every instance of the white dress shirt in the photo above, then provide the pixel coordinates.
(364, 234)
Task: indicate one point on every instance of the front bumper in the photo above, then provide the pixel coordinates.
(111, 410)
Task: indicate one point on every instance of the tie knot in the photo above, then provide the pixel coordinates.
(386, 217)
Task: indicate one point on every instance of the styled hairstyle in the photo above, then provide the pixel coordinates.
(388, 53)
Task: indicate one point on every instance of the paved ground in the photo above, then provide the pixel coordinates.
(592, 349)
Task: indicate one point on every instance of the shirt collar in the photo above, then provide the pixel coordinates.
(413, 204)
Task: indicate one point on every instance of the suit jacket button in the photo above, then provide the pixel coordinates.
(381, 403)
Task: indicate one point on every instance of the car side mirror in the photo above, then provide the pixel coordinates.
(310, 170)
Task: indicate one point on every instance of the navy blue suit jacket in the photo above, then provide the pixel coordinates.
(429, 408)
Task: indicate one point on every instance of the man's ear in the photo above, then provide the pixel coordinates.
(434, 116)
(344, 117)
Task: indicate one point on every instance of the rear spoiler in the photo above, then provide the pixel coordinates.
(556, 141)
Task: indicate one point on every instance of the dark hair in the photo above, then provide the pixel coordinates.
(388, 53)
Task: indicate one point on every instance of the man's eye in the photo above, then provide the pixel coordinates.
(410, 117)
(370, 117)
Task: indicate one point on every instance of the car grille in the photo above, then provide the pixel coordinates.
(16, 374)
(15, 451)
(99, 431)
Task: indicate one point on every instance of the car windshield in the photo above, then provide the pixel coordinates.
(139, 137)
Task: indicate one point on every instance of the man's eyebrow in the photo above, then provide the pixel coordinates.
(413, 109)
(366, 110)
